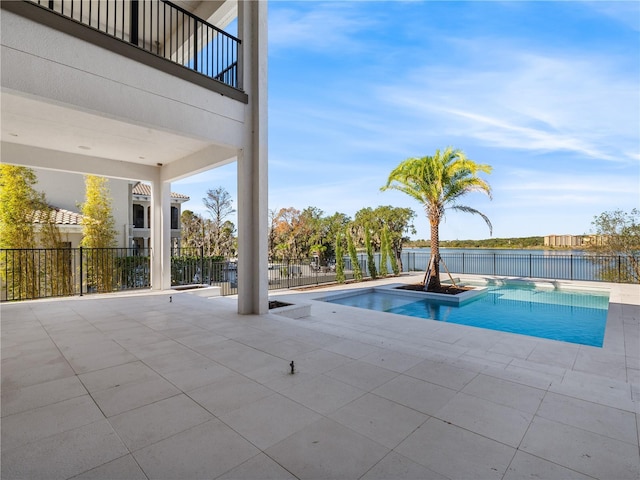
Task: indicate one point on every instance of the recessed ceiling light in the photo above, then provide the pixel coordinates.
(84, 147)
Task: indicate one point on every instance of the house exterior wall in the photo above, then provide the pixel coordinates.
(52, 70)
(67, 190)
(45, 63)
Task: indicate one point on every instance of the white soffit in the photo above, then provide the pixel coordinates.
(27, 121)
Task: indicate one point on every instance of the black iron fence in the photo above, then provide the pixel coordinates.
(161, 28)
(585, 266)
(38, 273)
(27, 274)
(193, 266)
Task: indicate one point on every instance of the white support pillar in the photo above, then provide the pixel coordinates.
(253, 287)
(160, 235)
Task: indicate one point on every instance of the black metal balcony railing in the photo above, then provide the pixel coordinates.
(161, 28)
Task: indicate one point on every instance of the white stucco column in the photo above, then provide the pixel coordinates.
(160, 235)
(253, 287)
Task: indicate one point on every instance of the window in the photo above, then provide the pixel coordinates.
(138, 216)
(175, 218)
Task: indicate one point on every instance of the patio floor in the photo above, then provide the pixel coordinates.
(138, 386)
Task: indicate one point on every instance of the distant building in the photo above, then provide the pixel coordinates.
(130, 202)
(573, 240)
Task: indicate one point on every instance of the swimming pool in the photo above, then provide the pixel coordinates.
(569, 316)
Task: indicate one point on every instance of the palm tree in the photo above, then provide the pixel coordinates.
(437, 182)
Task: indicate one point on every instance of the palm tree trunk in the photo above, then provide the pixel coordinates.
(434, 280)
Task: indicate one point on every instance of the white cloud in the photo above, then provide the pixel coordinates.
(318, 26)
(531, 102)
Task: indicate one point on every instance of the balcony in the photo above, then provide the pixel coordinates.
(155, 32)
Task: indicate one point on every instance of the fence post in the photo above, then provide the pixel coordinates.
(80, 270)
(202, 263)
(619, 269)
(463, 263)
(571, 266)
(494, 263)
(530, 267)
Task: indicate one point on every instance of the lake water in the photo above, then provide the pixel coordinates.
(538, 263)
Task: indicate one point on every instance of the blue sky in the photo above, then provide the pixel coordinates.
(547, 93)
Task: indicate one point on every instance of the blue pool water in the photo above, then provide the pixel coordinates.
(569, 316)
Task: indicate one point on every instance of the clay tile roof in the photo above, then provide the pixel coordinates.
(59, 216)
(145, 189)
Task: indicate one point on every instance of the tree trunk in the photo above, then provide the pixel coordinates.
(434, 280)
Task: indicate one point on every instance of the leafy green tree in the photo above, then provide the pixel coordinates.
(617, 234)
(371, 263)
(98, 225)
(340, 278)
(99, 233)
(192, 228)
(332, 226)
(384, 252)
(355, 264)
(19, 202)
(398, 222)
(438, 182)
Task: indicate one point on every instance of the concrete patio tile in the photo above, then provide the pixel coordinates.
(205, 451)
(523, 376)
(194, 377)
(163, 346)
(352, 348)
(515, 346)
(87, 361)
(26, 339)
(528, 467)
(327, 450)
(32, 425)
(414, 393)
(288, 348)
(503, 392)
(135, 336)
(238, 357)
(392, 360)
(608, 421)
(41, 394)
(455, 452)
(117, 376)
(173, 362)
(121, 398)
(379, 419)
(35, 368)
(550, 354)
(398, 467)
(143, 426)
(504, 424)
(585, 452)
(442, 374)
(259, 467)
(596, 389)
(323, 394)
(549, 371)
(362, 375)
(596, 362)
(229, 393)
(200, 340)
(123, 468)
(267, 421)
(63, 455)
